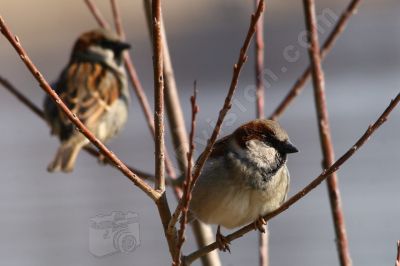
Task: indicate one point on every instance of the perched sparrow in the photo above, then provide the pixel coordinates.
(245, 177)
(94, 86)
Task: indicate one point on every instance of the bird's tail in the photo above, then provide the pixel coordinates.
(66, 155)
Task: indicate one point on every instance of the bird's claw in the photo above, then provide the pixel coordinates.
(102, 159)
(222, 242)
(259, 224)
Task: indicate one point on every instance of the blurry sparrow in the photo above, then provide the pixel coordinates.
(94, 87)
(244, 178)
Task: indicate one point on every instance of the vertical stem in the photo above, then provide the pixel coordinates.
(202, 232)
(263, 244)
(162, 204)
(259, 67)
(97, 14)
(137, 86)
(158, 96)
(324, 132)
(172, 102)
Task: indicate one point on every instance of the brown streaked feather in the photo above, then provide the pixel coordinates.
(88, 89)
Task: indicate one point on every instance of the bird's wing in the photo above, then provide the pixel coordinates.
(88, 89)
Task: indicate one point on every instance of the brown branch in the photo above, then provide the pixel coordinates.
(117, 19)
(398, 254)
(259, 65)
(14, 41)
(183, 206)
(28, 103)
(172, 102)
(326, 48)
(302, 193)
(97, 14)
(259, 68)
(138, 88)
(158, 96)
(162, 204)
(324, 132)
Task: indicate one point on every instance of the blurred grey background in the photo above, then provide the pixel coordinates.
(45, 217)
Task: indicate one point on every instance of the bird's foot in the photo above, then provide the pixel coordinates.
(222, 242)
(259, 224)
(102, 159)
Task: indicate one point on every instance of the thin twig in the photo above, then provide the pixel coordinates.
(117, 19)
(97, 14)
(324, 132)
(302, 193)
(188, 183)
(326, 48)
(36, 110)
(14, 41)
(259, 65)
(259, 68)
(398, 254)
(28, 103)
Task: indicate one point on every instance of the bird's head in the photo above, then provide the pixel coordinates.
(100, 44)
(265, 133)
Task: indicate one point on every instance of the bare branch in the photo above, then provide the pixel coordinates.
(324, 132)
(158, 96)
(14, 41)
(28, 103)
(326, 48)
(183, 206)
(259, 65)
(259, 69)
(172, 102)
(398, 254)
(97, 14)
(302, 193)
(117, 19)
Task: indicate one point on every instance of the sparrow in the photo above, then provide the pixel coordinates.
(245, 177)
(94, 87)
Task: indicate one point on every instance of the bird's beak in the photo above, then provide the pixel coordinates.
(120, 46)
(288, 147)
